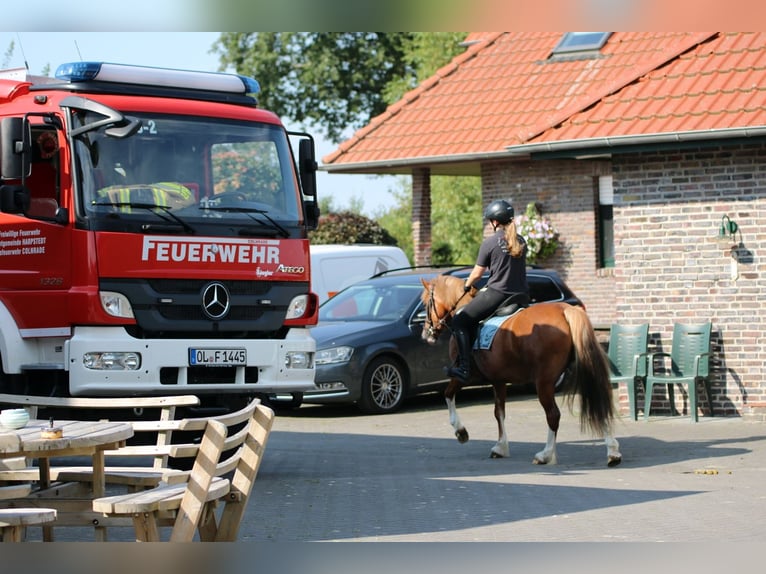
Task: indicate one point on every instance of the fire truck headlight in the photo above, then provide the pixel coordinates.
(112, 361)
(116, 304)
(298, 307)
(298, 360)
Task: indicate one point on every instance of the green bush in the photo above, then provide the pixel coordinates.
(349, 227)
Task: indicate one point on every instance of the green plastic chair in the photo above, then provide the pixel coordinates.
(689, 365)
(627, 355)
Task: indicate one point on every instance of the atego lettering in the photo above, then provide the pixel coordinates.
(212, 251)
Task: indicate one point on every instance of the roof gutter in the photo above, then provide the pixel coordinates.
(412, 162)
(563, 148)
(607, 143)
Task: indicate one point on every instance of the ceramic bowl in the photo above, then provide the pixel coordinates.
(14, 418)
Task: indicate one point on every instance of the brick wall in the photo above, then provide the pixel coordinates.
(669, 265)
(671, 268)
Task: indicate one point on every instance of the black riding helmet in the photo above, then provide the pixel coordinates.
(500, 211)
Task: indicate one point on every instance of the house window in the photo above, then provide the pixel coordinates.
(605, 221)
(578, 42)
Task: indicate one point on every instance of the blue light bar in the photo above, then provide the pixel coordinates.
(149, 76)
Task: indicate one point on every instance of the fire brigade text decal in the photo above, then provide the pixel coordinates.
(22, 242)
(256, 252)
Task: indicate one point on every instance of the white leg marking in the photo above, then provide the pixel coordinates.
(460, 433)
(501, 448)
(548, 454)
(613, 456)
(454, 419)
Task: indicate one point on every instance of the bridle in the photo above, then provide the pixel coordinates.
(434, 329)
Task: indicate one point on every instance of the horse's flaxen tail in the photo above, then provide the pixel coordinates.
(590, 375)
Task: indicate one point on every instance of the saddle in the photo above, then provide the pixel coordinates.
(488, 327)
(511, 305)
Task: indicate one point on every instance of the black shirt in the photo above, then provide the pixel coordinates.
(506, 274)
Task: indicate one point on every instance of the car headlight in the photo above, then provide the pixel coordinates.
(333, 355)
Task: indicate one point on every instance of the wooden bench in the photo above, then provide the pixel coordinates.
(188, 500)
(124, 467)
(139, 477)
(13, 521)
(190, 506)
(17, 469)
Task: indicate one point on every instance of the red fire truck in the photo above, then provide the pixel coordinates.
(153, 237)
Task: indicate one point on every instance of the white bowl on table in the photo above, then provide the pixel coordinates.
(14, 418)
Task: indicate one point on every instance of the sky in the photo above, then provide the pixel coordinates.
(45, 51)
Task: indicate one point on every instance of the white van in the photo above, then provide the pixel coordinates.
(335, 267)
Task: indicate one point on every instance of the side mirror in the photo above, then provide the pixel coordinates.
(15, 148)
(307, 167)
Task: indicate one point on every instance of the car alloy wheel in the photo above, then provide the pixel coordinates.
(382, 386)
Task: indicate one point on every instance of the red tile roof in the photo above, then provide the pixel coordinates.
(505, 91)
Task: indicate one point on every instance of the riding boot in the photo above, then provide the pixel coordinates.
(462, 369)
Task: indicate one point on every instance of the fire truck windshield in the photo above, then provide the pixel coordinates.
(211, 176)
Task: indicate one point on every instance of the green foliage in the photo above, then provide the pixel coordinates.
(397, 220)
(457, 228)
(424, 54)
(331, 79)
(348, 227)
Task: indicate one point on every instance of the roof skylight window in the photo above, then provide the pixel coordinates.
(578, 42)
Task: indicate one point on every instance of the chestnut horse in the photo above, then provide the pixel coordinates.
(548, 344)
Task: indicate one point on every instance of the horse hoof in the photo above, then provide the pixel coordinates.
(494, 454)
(538, 461)
(614, 460)
(462, 435)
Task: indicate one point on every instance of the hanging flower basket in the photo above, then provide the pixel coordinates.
(539, 233)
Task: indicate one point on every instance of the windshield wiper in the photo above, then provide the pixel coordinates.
(171, 218)
(249, 211)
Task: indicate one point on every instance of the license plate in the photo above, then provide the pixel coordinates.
(217, 357)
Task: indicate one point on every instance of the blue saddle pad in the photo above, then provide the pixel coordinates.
(487, 332)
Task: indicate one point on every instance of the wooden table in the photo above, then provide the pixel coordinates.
(80, 438)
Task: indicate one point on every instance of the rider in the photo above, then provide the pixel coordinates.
(504, 254)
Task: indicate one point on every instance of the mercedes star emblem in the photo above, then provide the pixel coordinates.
(215, 300)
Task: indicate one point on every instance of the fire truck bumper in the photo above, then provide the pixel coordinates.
(106, 361)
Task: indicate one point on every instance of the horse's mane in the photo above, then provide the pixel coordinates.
(447, 288)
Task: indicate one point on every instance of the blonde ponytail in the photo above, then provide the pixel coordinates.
(515, 247)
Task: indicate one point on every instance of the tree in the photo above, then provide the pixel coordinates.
(457, 222)
(456, 215)
(397, 220)
(424, 54)
(334, 80)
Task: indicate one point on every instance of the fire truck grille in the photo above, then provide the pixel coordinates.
(194, 312)
(171, 307)
(193, 287)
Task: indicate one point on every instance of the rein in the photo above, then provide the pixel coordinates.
(431, 329)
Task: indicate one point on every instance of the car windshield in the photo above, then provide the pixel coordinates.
(370, 302)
